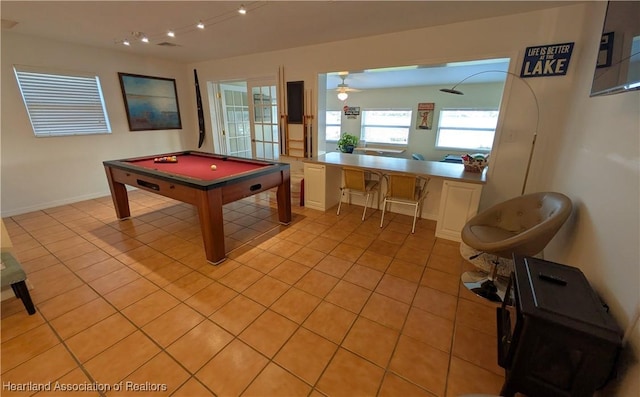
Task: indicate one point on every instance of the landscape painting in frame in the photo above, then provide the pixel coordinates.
(151, 102)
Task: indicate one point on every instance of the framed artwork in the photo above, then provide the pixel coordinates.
(424, 120)
(151, 102)
(606, 51)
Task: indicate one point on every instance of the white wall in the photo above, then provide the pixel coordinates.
(596, 161)
(40, 173)
(587, 147)
(486, 96)
(483, 39)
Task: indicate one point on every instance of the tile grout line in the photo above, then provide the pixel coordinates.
(216, 280)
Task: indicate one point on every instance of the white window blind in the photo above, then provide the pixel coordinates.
(467, 129)
(333, 125)
(63, 104)
(389, 126)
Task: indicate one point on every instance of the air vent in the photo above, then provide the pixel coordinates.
(168, 44)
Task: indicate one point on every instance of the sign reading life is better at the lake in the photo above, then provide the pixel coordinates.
(546, 60)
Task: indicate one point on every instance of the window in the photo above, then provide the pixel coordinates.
(467, 129)
(63, 104)
(334, 120)
(386, 126)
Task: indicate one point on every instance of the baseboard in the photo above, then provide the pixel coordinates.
(51, 204)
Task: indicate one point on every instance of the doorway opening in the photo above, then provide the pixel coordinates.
(246, 116)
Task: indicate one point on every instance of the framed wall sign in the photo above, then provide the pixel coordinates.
(606, 50)
(546, 60)
(424, 120)
(151, 102)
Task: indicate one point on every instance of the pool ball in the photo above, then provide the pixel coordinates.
(213, 167)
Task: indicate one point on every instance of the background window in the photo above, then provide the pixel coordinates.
(386, 126)
(334, 120)
(467, 129)
(63, 104)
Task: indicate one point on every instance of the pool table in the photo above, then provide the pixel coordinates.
(205, 180)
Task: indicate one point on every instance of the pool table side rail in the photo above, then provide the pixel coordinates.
(269, 168)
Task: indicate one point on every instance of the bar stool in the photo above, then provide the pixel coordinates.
(406, 189)
(359, 181)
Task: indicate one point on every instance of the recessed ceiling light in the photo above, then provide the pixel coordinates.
(144, 39)
(171, 33)
(126, 42)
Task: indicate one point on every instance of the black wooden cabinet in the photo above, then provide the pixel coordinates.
(555, 338)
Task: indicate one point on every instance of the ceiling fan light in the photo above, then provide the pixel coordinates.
(200, 25)
(343, 96)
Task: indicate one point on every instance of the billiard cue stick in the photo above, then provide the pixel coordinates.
(201, 132)
(284, 120)
(308, 120)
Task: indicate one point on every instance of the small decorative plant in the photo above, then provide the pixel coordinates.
(347, 143)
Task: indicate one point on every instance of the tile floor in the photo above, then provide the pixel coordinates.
(328, 305)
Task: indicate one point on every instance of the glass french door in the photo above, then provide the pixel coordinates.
(237, 127)
(248, 119)
(264, 119)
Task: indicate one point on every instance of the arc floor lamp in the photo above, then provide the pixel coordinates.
(453, 90)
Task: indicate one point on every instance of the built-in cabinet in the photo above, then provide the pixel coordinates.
(321, 186)
(458, 202)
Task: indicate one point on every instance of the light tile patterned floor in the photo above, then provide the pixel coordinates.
(328, 305)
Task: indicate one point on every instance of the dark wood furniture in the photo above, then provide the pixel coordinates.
(12, 274)
(555, 337)
(193, 179)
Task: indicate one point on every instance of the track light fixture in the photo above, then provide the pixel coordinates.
(182, 30)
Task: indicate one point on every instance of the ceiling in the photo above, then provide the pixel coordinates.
(267, 26)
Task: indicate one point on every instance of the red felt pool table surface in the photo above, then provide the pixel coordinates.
(191, 180)
(193, 165)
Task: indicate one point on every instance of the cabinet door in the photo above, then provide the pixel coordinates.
(458, 203)
(314, 186)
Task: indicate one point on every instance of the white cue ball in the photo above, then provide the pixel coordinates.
(213, 167)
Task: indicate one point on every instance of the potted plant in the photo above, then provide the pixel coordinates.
(347, 143)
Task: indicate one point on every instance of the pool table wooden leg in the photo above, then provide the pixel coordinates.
(119, 196)
(212, 225)
(284, 198)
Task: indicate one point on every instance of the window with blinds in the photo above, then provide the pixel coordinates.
(63, 104)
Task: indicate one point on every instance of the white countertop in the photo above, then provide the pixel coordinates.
(434, 169)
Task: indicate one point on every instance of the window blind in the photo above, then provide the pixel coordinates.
(60, 104)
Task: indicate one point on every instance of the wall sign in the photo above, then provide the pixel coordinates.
(352, 112)
(424, 119)
(546, 60)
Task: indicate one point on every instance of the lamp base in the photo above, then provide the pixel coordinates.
(480, 284)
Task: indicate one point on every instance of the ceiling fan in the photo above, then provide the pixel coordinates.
(343, 88)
